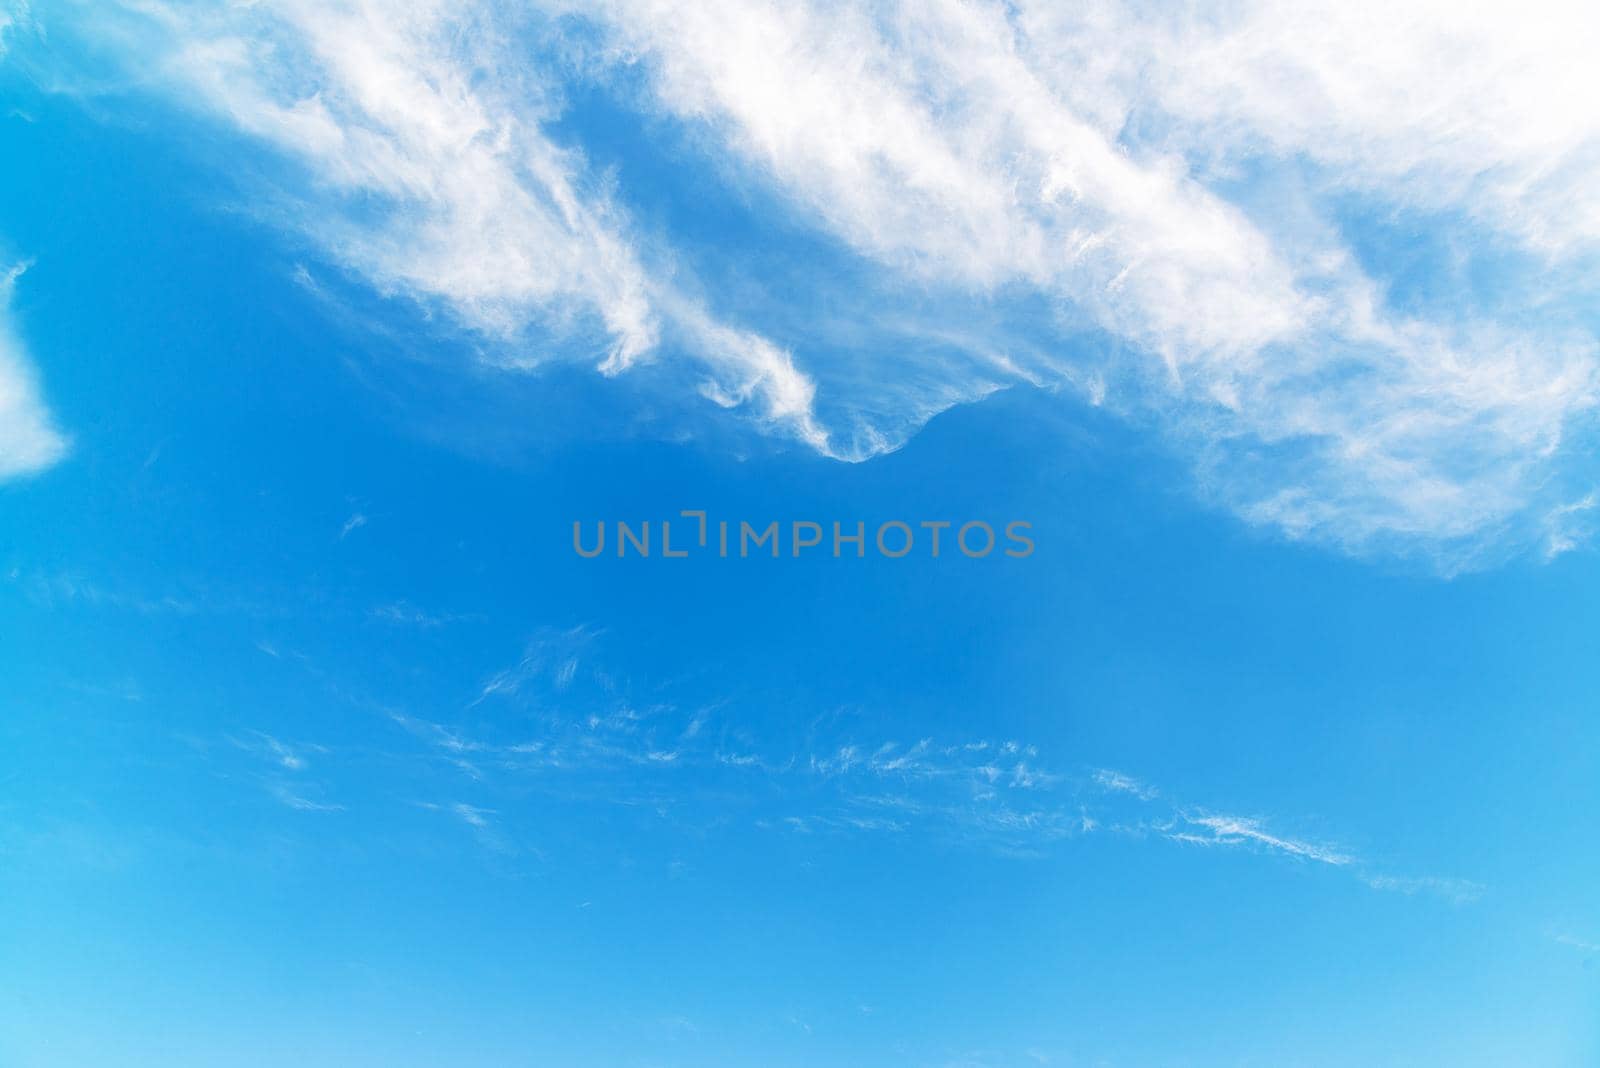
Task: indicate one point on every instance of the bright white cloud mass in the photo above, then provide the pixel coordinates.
(1339, 255)
(29, 441)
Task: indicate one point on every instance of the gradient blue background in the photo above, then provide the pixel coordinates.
(182, 593)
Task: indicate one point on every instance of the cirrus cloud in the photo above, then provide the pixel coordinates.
(1339, 258)
(29, 441)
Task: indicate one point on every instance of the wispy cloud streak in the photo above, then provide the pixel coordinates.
(426, 167)
(29, 440)
(559, 722)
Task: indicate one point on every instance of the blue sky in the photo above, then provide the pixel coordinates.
(325, 323)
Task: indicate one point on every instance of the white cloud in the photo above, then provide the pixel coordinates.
(471, 815)
(1480, 107)
(29, 441)
(1456, 891)
(1171, 209)
(12, 15)
(427, 169)
(981, 149)
(1116, 782)
(927, 141)
(1241, 830)
(579, 733)
(299, 803)
(405, 110)
(1577, 943)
